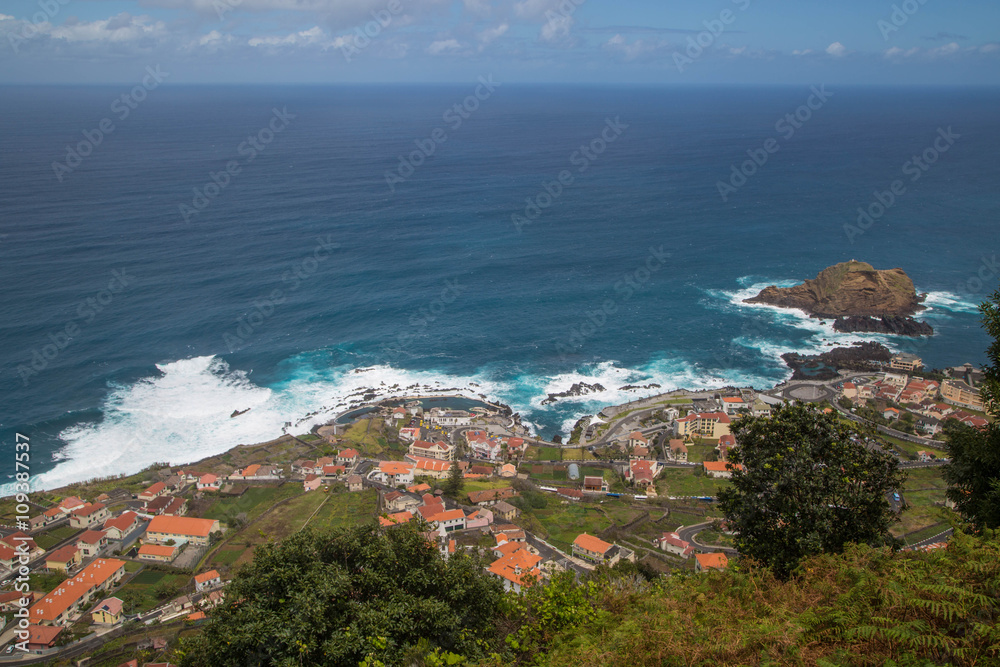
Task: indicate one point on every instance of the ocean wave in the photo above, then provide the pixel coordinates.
(183, 412)
(950, 302)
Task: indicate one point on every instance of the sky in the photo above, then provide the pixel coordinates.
(877, 42)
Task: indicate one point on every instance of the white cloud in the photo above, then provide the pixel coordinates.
(556, 29)
(118, 29)
(490, 34)
(532, 9)
(896, 53)
(804, 52)
(946, 50)
(640, 49)
(989, 48)
(311, 37)
(837, 50)
(5, 17)
(443, 46)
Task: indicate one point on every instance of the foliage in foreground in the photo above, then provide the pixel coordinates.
(866, 606)
(351, 596)
(974, 471)
(810, 485)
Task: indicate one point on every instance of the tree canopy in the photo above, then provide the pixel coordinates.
(810, 484)
(352, 595)
(973, 474)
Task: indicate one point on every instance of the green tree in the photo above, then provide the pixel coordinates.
(974, 472)
(455, 482)
(810, 484)
(353, 595)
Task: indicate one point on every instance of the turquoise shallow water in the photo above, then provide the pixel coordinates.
(307, 281)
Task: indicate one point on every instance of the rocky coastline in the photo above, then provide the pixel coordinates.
(578, 389)
(899, 326)
(858, 297)
(826, 366)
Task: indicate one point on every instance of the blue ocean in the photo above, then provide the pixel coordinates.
(289, 250)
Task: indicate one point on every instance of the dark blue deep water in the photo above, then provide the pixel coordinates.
(306, 266)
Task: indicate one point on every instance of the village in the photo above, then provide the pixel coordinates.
(146, 556)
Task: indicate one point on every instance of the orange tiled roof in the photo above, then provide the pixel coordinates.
(522, 561)
(716, 560)
(156, 550)
(721, 466)
(73, 589)
(394, 467)
(154, 488)
(122, 522)
(181, 525)
(395, 519)
(206, 576)
(92, 537)
(591, 543)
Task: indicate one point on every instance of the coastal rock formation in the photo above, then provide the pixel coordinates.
(849, 289)
(578, 389)
(901, 326)
(630, 387)
(825, 366)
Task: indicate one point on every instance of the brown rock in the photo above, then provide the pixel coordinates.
(849, 289)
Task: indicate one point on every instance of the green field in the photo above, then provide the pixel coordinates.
(698, 453)
(683, 482)
(542, 454)
(926, 533)
(484, 484)
(346, 509)
(912, 448)
(562, 523)
(151, 589)
(254, 502)
(924, 494)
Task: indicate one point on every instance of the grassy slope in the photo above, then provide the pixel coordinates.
(865, 607)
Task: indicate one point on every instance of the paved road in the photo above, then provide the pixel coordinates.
(690, 534)
(940, 537)
(548, 553)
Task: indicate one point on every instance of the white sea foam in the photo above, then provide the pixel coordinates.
(823, 334)
(949, 302)
(183, 413)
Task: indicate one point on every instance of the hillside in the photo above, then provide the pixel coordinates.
(864, 607)
(848, 289)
